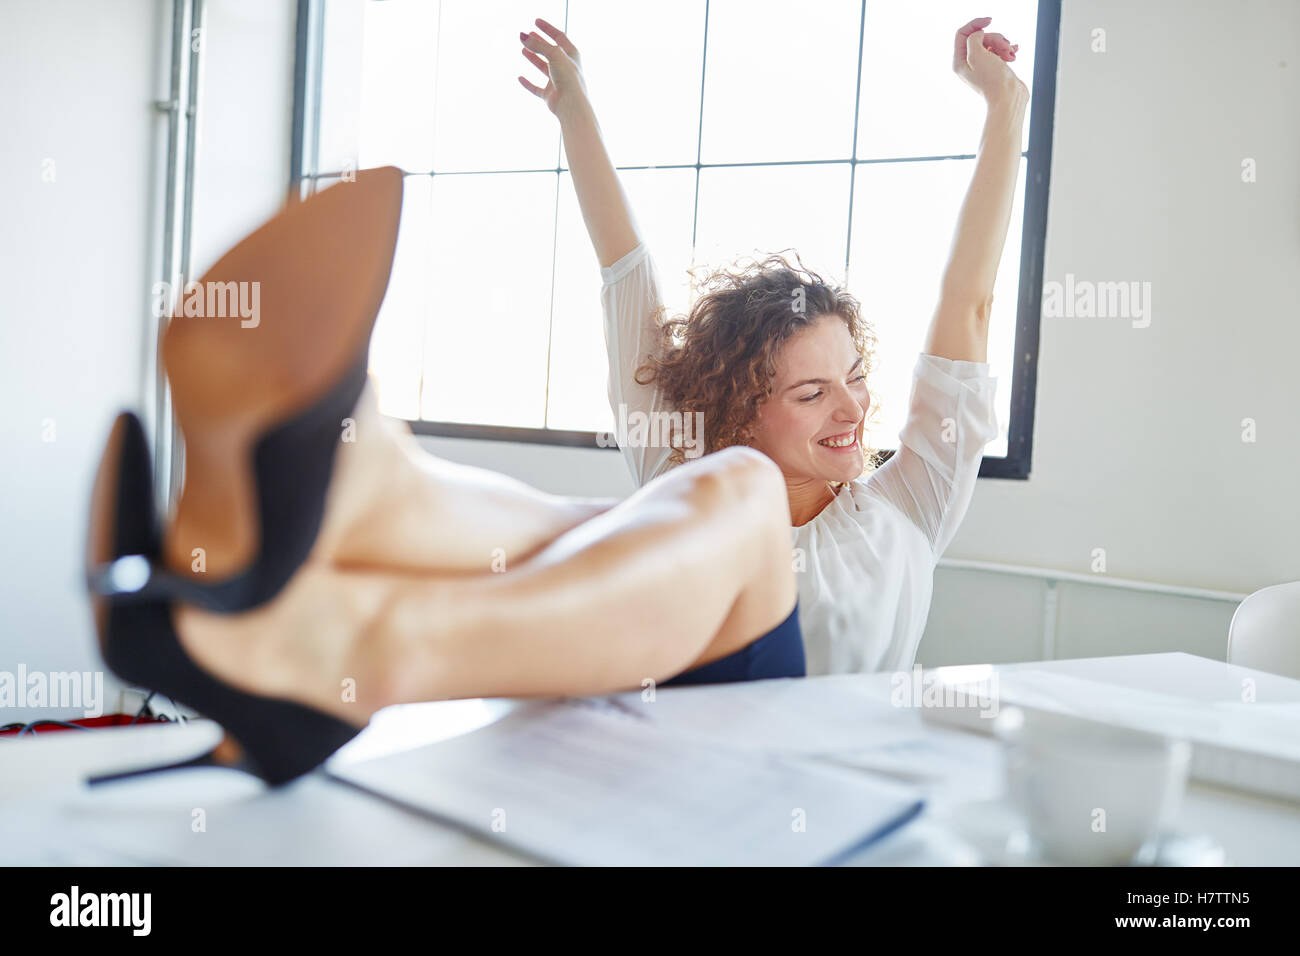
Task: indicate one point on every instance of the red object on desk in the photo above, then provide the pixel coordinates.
(107, 720)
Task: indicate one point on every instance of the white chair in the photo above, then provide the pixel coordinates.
(1265, 631)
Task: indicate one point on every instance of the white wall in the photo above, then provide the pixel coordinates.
(1138, 440)
(76, 266)
(78, 257)
(1137, 444)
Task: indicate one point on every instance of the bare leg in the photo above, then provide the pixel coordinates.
(692, 567)
(394, 506)
(400, 594)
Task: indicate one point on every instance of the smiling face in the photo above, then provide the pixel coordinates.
(812, 423)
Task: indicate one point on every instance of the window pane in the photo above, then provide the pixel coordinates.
(780, 86)
(492, 315)
(484, 119)
(903, 220)
(490, 283)
(649, 114)
(663, 203)
(747, 210)
(340, 91)
(399, 57)
(939, 115)
(398, 340)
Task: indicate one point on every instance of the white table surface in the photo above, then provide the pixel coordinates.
(218, 817)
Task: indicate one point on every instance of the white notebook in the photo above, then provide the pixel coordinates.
(584, 782)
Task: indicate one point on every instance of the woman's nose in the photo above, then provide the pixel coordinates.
(849, 408)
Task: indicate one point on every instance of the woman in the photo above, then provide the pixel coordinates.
(320, 566)
(776, 359)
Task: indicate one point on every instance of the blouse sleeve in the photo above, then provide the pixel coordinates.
(632, 305)
(931, 477)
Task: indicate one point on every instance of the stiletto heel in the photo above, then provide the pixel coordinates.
(261, 399)
(278, 740)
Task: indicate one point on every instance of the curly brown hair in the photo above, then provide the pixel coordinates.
(720, 357)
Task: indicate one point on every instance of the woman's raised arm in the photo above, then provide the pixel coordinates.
(600, 194)
(959, 329)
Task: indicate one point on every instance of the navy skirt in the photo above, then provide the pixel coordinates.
(778, 653)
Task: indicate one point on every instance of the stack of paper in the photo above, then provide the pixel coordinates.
(1247, 746)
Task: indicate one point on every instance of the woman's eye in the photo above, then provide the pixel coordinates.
(860, 378)
(809, 398)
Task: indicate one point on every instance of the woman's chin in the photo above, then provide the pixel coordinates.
(843, 472)
(850, 474)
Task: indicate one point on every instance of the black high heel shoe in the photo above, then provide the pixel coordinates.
(261, 399)
(277, 740)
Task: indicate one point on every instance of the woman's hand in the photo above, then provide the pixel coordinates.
(560, 62)
(981, 60)
(604, 207)
(960, 327)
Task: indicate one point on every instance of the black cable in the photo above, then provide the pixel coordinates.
(143, 708)
(31, 728)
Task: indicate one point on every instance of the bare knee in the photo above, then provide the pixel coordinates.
(738, 476)
(751, 515)
(757, 486)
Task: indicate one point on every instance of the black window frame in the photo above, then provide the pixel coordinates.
(1024, 378)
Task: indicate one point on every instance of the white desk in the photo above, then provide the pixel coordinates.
(320, 821)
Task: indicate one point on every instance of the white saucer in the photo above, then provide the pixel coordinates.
(993, 829)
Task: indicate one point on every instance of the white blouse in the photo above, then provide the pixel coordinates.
(865, 564)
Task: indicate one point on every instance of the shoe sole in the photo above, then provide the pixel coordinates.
(321, 267)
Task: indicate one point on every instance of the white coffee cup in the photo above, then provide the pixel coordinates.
(1091, 793)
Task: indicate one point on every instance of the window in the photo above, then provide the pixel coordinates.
(737, 128)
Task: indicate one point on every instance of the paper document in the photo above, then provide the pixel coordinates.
(811, 716)
(585, 782)
(841, 719)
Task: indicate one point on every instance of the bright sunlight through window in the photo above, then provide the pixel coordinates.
(771, 126)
